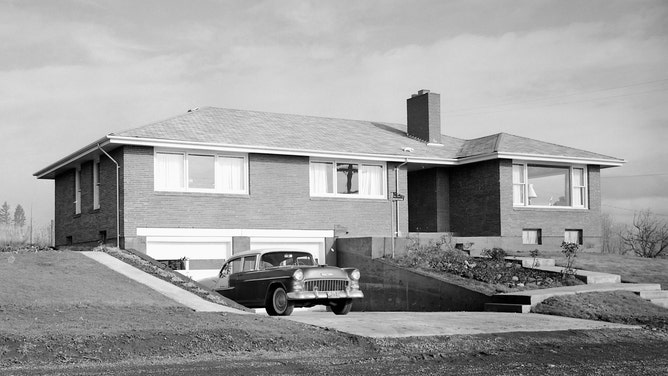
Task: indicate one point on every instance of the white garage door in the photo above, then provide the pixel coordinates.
(196, 257)
(316, 246)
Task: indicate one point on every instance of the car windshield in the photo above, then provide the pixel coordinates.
(287, 259)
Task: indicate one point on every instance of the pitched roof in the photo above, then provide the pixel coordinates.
(262, 132)
(296, 132)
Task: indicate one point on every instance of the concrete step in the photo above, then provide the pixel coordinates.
(533, 297)
(503, 307)
(530, 262)
(657, 294)
(586, 276)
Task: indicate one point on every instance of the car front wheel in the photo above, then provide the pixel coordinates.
(278, 304)
(341, 307)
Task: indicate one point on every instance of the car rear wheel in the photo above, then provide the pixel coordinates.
(341, 307)
(278, 304)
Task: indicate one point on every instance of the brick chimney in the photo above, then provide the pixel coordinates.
(424, 116)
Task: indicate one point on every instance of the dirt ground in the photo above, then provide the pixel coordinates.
(62, 315)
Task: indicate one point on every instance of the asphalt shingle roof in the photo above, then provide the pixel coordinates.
(309, 133)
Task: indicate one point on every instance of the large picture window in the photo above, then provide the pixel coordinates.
(347, 179)
(200, 172)
(549, 186)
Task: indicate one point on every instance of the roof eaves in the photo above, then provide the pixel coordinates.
(48, 170)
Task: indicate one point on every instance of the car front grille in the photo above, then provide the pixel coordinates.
(325, 285)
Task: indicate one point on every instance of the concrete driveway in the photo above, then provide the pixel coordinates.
(413, 324)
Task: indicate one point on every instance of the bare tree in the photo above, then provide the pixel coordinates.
(611, 239)
(648, 237)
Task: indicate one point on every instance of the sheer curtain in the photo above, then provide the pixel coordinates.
(518, 184)
(321, 177)
(232, 176)
(530, 237)
(169, 171)
(371, 180)
(578, 187)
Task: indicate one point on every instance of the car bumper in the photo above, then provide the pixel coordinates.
(325, 295)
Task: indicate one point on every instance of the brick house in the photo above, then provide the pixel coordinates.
(212, 181)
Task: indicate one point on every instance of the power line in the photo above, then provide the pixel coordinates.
(474, 109)
(633, 210)
(554, 104)
(632, 176)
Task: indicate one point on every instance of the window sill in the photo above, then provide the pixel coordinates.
(548, 208)
(355, 199)
(202, 194)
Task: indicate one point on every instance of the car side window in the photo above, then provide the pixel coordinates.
(236, 265)
(249, 263)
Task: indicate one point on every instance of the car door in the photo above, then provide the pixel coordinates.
(245, 283)
(223, 285)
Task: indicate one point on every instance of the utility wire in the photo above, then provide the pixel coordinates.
(634, 210)
(631, 176)
(473, 109)
(554, 104)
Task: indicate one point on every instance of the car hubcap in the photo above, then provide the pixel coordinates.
(280, 301)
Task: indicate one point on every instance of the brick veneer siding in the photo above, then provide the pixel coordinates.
(551, 222)
(85, 228)
(278, 198)
(474, 199)
(429, 206)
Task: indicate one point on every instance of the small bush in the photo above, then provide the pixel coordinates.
(496, 254)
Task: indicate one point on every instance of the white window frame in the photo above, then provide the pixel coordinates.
(334, 193)
(96, 184)
(77, 190)
(217, 172)
(525, 185)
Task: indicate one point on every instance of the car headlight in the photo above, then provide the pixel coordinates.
(298, 275)
(355, 275)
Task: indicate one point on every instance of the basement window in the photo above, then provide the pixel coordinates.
(532, 236)
(573, 236)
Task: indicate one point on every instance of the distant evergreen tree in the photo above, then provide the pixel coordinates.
(4, 214)
(19, 216)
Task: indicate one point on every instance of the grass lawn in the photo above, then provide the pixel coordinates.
(630, 268)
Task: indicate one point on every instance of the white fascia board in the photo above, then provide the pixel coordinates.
(212, 232)
(81, 153)
(542, 158)
(170, 144)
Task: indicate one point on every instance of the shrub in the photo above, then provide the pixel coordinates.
(496, 254)
(569, 250)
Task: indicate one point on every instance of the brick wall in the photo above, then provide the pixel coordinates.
(474, 199)
(552, 222)
(278, 198)
(429, 207)
(85, 228)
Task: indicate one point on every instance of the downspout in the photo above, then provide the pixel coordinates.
(395, 233)
(118, 200)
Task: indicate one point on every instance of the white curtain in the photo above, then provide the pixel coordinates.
(371, 180)
(530, 237)
(578, 187)
(169, 171)
(572, 236)
(232, 176)
(518, 184)
(321, 178)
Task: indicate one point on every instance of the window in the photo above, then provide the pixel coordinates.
(249, 263)
(531, 236)
(102, 237)
(96, 184)
(549, 186)
(573, 236)
(347, 179)
(200, 172)
(77, 191)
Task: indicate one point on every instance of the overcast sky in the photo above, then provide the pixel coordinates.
(586, 74)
